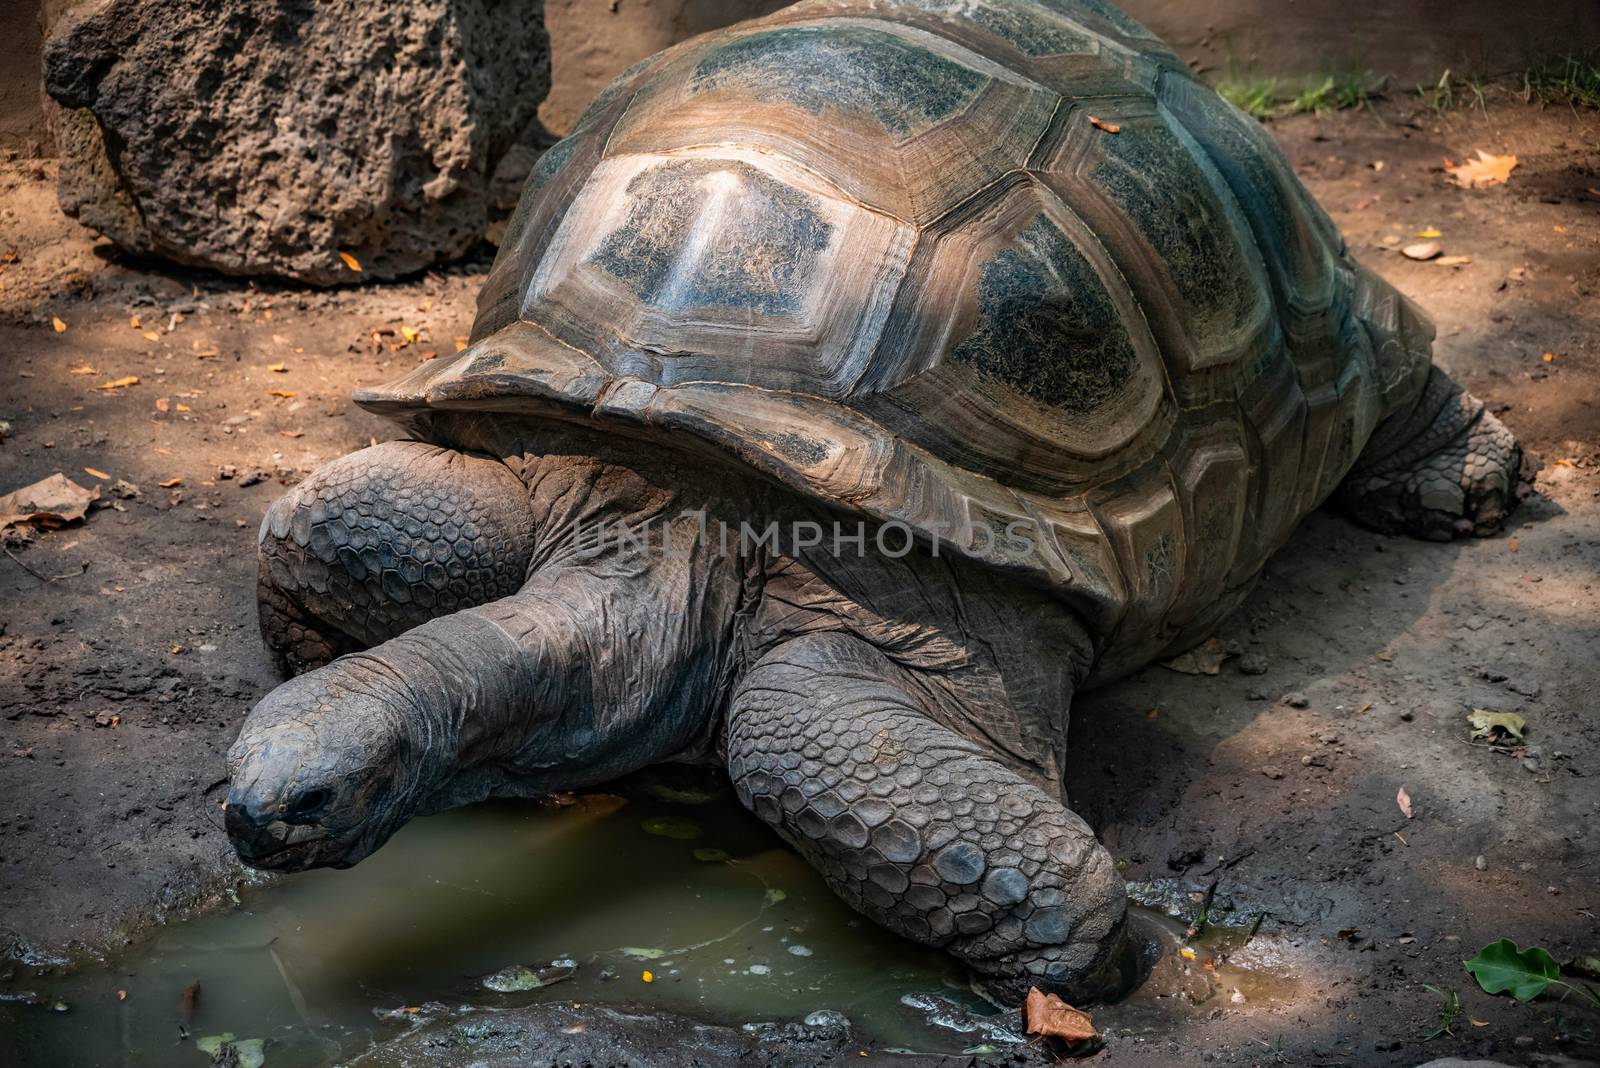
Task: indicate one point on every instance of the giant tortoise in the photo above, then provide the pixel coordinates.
(853, 387)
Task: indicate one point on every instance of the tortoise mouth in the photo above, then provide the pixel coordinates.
(295, 848)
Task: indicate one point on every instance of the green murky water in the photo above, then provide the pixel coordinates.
(731, 925)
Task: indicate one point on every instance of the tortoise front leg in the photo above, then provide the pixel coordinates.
(379, 541)
(922, 829)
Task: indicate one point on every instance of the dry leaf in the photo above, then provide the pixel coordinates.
(120, 383)
(1403, 799)
(293, 433)
(84, 370)
(1430, 232)
(1046, 1014)
(97, 473)
(1101, 124)
(162, 404)
(409, 334)
(1452, 261)
(1485, 170)
(280, 392)
(169, 483)
(460, 345)
(1204, 659)
(1512, 543)
(277, 368)
(60, 327)
(133, 321)
(50, 502)
(183, 408)
(151, 335)
(350, 262)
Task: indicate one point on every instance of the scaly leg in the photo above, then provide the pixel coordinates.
(382, 540)
(1445, 468)
(920, 828)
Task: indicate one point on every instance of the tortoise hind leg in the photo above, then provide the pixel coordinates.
(1443, 469)
(382, 540)
(921, 829)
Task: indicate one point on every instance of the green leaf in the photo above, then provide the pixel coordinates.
(671, 827)
(1501, 968)
(711, 856)
(512, 979)
(1485, 723)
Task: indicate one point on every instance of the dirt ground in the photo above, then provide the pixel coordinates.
(129, 653)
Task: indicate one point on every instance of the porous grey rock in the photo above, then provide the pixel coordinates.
(266, 137)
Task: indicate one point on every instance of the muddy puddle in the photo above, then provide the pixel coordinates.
(696, 908)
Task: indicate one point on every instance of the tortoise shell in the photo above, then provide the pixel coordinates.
(958, 264)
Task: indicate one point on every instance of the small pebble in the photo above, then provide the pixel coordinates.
(1271, 772)
(1481, 863)
(1296, 699)
(1253, 664)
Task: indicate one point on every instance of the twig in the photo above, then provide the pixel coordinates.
(46, 578)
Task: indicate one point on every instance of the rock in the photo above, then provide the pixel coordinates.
(1330, 738)
(1253, 664)
(1481, 862)
(562, 1033)
(1526, 687)
(1296, 700)
(226, 472)
(1272, 772)
(253, 477)
(259, 138)
(1256, 693)
(1421, 250)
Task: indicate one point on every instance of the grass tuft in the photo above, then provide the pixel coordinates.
(1572, 79)
(1256, 97)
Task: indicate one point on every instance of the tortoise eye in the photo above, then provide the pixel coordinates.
(308, 806)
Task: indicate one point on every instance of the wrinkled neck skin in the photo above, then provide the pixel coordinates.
(631, 553)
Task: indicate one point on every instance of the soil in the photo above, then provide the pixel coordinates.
(129, 653)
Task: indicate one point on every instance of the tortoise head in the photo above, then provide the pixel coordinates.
(322, 774)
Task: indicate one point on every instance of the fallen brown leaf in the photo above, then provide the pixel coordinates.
(60, 327)
(97, 473)
(350, 262)
(293, 433)
(169, 483)
(120, 383)
(1403, 799)
(280, 392)
(151, 335)
(84, 370)
(1047, 1014)
(1101, 124)
(1204, 659)
(50, 502)
(162, 404)
(1485, 170)
(1452, 261)
(277, 368)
